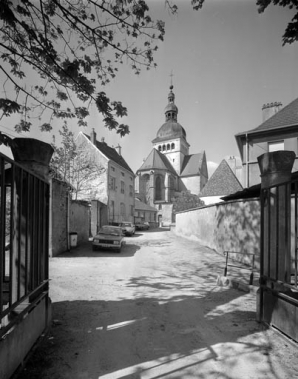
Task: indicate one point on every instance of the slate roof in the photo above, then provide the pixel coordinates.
(222, 182)
(255, 191)
(157, 160)
(111, 154)
(287, 116)
(192, 164)
(139, 205)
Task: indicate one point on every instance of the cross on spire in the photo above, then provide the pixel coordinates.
(171, 75)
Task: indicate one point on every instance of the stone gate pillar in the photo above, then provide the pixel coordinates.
(33, 154)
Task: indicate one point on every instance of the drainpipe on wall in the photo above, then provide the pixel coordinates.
(247, 169)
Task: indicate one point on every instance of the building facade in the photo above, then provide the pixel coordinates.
(169, 169)
(115, 187)
(279, 131)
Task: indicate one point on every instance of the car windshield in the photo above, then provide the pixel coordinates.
(109, 230)
(126, 224)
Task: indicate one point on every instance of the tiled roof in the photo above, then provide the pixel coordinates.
(287, 116)
(139, 205)
(157, 160)
(192, 164)
(222, 182)
(111, 154)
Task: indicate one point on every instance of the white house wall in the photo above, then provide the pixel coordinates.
(117, 197)
(98, 187)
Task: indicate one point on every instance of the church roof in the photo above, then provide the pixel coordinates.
(170, 130)
(192, 164)
(222, 182)
(157, 160)
(111, 154)
(139, 205)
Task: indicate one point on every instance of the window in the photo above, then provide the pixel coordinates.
(130, 190)
(122, 187)
(112, 168)
(158, 188)
(122, 210)
(159, 148)
(122, 173)
(163, 147)
(112, 183)
(131, 210)
(168, 146)
(275, 146)
(173, 146)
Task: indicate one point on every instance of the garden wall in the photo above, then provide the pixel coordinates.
(59, 201)
(232, 226)
(79, 219)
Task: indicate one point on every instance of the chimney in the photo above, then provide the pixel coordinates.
(118, 149)
(232, 163)
(93, 137)
(270, 110)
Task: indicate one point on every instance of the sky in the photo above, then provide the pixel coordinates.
(227, 61)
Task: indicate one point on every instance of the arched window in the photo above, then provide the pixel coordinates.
(168, 146)
(158, 188)
(159, 148)
(163, 147)
(173, 146)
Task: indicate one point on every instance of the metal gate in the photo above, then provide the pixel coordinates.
(24, 234)
(278, 265)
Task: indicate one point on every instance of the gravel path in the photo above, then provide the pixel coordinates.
(154, 311)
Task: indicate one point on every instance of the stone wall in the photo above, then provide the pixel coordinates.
(79, 220)
(227, 226)
(58, 218)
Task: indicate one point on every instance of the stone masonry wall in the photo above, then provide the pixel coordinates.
(58, 227)
(229, 226)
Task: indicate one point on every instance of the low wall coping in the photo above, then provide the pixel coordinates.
(220, 203)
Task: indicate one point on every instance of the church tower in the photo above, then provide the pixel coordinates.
(171, 136)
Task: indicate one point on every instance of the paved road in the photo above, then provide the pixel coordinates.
(154, 311)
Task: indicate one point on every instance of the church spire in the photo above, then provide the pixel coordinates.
(171, 109)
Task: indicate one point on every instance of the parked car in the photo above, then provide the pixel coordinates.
(142, 226)
(128, 228)
(108, 237)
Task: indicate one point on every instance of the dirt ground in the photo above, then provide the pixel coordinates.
(154, 311)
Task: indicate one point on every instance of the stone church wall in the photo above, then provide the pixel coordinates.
(166, 213)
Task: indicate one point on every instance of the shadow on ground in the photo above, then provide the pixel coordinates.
(84, 250)
(129, 338)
